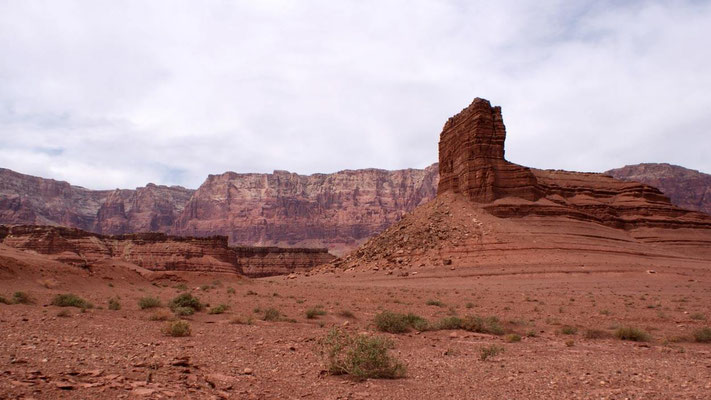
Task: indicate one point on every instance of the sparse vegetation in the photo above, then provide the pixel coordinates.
(22, 298)
(315, 312)
(391, 322)
(64, 313)
(632, 334)
(703, 335)
(698, 316)
(231, 290)
(114, 304)
(449, 323)
(568, 330)
(149, 302)
(486, 352)
(272, 314)
(512, 338)
(3, 300)
(360, 356)
(183, 311)
(436, 303)
(186, 300)
(181, 287)
(242, 321)
(220, 309)
(478, 324)
(70, 300)
(177, 328)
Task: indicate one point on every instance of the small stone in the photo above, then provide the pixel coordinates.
(247, 371)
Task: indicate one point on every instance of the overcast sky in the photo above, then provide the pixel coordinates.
(108, 94)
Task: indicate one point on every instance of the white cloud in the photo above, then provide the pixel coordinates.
(111, 94)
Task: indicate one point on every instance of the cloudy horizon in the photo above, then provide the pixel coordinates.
(107, 94)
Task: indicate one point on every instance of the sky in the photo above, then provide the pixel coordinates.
(116, 94)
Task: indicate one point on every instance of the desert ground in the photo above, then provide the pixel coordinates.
(559, 342)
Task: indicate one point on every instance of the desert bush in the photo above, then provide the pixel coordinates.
(703, 335)
(272, 314)
(231, 290)
(162, 315)
(360, 356)
(698, 316)
(512, 338)
(219, 309)
(391, 322)
(489, 351)
(22, 298)
(181, 287)
(478, 324)
(114, 304)
(70, 300)
(177, 328)
(568, 330)
(433, 302)
(186, 300)
(183, 311)
(149, 302)
(314, 312)
(448, 323)
(633, 334)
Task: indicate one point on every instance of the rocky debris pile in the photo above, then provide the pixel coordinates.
(425, 237)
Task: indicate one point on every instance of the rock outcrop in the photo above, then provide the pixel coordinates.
(490, 211)
(686, 188)
(160, 252)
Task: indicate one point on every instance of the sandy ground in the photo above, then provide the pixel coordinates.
(105, 354)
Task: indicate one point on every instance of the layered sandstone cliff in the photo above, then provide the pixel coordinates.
(27, 199)
(686, 188)
(337, 210)
(160, 252)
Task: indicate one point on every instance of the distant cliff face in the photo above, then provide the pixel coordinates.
(686, 188)
(28, 199)
(337, 210)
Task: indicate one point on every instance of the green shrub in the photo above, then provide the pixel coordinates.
(449, 323)
(177, 328)
(633, 334)
(219, 309)
(432, 302)
(314, 312)
(114, 304)
(3, 300)
(489, 351)
(181, 287)
(360, 356)
(183, 311)
(391, 322)
(478, 324)
(149, 302)
(568, 330)
(186, 300)
(273, 315)
(70, 300)
(231, 290)
(21, 298)
(703, 335)
(242, 321)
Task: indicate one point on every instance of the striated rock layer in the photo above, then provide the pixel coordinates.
(686, 188)
(284, 209)
(27, 199)
(492, 212)
(160, 252)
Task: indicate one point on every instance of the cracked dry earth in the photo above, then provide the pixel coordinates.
(105, 354)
